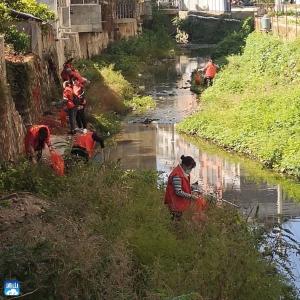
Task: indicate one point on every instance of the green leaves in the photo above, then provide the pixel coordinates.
(39, 10)
(18, 39)
(13, 36)
(253, 106)
(141, 104)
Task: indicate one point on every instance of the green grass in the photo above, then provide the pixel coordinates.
(141, 104)
(108, 122)
(116, 82)
(107, 235)
(253, 105)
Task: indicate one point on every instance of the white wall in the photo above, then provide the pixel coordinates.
(205, 5)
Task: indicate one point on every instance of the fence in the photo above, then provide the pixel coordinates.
(285, 19)
(125, 9)
(84, 2)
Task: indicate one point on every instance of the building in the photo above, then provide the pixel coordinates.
(219, 6)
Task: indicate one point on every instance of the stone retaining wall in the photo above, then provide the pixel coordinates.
(12, 129)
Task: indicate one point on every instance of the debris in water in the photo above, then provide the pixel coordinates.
(149, 120)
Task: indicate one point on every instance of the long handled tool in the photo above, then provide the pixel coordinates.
(223, 200)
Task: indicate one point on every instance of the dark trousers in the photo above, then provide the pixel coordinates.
(72, 118)
(176, 215)
(208, 81)
(80, 119)
(80, 152)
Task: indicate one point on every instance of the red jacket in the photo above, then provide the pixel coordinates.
(86, 142)
(31, 138)
(174, 202)
(64, 74)
(75, 75)
(68, 96)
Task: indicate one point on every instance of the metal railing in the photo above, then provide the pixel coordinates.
(125, 9)
(285, 19)
(84, 2)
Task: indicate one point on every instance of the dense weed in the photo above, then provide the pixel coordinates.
(253, 105)
(108, 235)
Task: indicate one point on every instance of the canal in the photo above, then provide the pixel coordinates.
(259, 193)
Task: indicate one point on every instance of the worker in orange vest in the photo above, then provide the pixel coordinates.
(84, 144)
(78, 93)
(179, 195)
(37, 137)
(70, 107)
(210, 71)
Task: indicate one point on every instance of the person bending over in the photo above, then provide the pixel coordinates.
(84, 144)
(36, 140)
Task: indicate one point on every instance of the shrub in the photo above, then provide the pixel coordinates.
(113, 239)
(19, 40)
(201, 30)
(106, 123)
(116, 81)
(141, 104)
(39, 10)
(234, 42)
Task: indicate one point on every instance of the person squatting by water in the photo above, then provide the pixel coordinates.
(84, 144)
(179, 195)
(36, 139)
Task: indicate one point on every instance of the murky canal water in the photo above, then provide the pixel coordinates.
(157, 146)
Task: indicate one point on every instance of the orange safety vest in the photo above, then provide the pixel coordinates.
(86, 142)
(31, 138)
(211, 70)
(174, 202)
(68, 95)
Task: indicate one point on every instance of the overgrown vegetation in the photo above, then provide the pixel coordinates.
(135, 54)
(109, 89)
(253, 105)
(106, 123)
(113, 239)
(234, 42)
(39, 10)
(206, 30)
(14, 36)
(140, 104)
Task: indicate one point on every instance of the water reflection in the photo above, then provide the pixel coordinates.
(159, 147)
